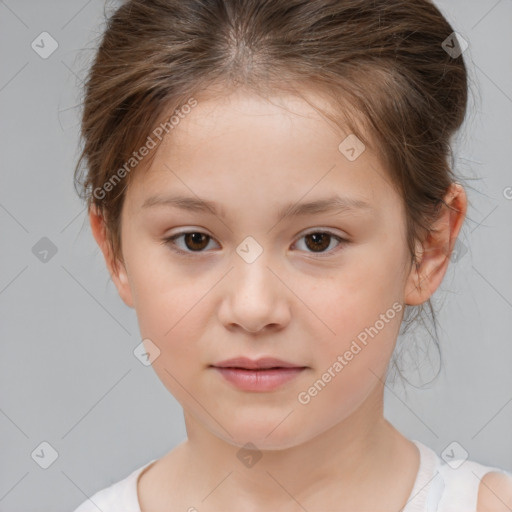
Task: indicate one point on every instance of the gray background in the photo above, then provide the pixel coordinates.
(68, 375)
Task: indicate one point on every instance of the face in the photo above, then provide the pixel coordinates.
(320, 289)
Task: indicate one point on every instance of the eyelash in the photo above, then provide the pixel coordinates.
(170, 242)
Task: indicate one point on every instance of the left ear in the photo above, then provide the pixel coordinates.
(434, 252)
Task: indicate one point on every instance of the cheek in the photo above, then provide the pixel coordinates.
(349, 367)
(171, 314)
(359, 315)
(171, 318)
(162, 292)
(362, 346)
(353, 298)
(173, 322)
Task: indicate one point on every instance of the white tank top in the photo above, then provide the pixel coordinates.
(442, 487)
(437, 488)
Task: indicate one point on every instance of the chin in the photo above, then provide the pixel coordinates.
(265, 433)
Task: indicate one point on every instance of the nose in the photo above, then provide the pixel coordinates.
(255, 297)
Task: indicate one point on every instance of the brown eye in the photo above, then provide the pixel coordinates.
(318, 242)
(195, 241)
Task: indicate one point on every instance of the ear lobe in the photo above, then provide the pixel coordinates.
(433, 254)
(116, 268)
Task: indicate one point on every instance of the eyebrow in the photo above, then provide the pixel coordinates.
(334, 204)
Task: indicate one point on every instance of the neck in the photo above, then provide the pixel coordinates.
(347, 458)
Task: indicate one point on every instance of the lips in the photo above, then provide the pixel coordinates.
(263, 363)
(265, 374)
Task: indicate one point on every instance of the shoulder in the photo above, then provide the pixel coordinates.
(118, 497)
(495, 493)
(470, 486)
(102, 500)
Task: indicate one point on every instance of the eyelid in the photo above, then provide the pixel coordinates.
(342, 240)
(169, 242)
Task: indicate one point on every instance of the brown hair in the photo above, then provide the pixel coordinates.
(380, 63)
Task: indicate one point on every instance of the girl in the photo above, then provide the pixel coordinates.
(269, 183)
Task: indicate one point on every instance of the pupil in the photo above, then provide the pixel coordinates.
(318, 237)
(195, 238)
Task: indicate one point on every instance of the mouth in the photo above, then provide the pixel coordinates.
(265, 374)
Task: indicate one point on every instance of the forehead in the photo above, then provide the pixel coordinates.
(243, 143)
